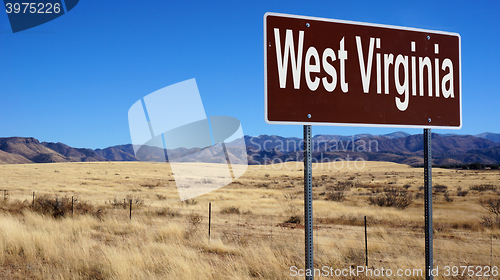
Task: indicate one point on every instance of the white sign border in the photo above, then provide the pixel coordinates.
(363, 24)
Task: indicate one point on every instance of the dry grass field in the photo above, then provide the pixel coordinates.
(256, 230)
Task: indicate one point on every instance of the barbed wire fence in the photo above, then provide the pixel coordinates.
(372, 243)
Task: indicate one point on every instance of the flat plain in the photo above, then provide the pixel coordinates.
(256, 222)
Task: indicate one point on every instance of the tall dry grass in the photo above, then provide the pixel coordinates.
(165, 239)
(34, 246)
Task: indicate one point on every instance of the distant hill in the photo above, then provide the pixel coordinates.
(8, 158)
(440, 144)
(395, 135)
(30, 149)
(495, 137)
(117, 153)
(400, 147)
(446, 150)
(73, 154)
(490, 153)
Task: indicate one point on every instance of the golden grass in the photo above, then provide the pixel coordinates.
(162, 241)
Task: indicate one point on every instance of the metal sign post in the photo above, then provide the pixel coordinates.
(428, 203)
(308, 201)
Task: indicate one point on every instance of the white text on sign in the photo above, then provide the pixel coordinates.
(437, 74)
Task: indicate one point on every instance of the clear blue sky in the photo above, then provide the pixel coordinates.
(73, 79)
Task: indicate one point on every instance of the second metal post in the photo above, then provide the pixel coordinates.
(428, 203)
(308, 207)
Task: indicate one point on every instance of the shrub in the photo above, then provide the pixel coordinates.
(483, 187)
(190, 201)
(350, 220)
(60, 207)
(490, 222)
(345, 185)
(137, 201)
(290, 206)
(475, 166)
(194, 220)
(295, 219)
(14, 206)
(82, 207)
(161, 196)
(264, 185)
(462, 193)
(167, 212)
(492, 205)
(338, 196)
(447, 197)
(342, 186)
(392, 197)
(51, 206)
(355, 257)
(115, 203)
(125, 203)
(440, 188)
(99, 214)
(230, 210)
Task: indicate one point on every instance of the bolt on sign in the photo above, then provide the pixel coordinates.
(331, 72)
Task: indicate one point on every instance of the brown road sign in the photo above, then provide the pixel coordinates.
(331, 72)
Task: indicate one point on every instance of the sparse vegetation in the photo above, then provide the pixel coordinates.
(168, 212)
(161, 196)
(290, 206)
(483, 187)
(56, 207)
(492, 205)
(344, 185)
(338, 196)
(194, 220)
(392, 197)
(490, 221)
(295, 219)
(168, 240)
(471, 166)
(230, 210)
(190, 201)
(438, 188)
(355, 257)
(462, 193)
(475, 166)
(447, 197)
(125, 202)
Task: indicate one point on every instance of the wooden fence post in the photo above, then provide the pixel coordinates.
(131, 209)
(366, 245)
(271, 230)
(209, 218)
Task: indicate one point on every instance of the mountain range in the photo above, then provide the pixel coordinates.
(400, 147)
